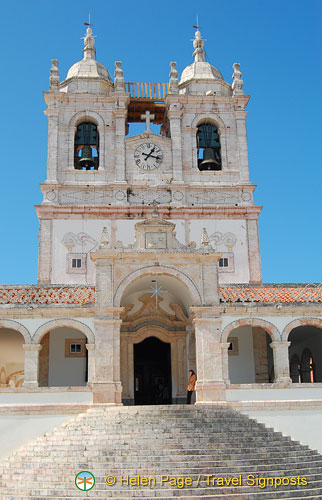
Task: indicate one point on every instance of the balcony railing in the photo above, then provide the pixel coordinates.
(147, 91)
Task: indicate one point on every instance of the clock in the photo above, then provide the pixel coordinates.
(148, 156)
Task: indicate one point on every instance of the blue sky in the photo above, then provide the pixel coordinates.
(278, 45)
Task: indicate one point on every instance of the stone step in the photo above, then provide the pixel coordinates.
(132, 492)
(155, 440)
(37, 480)
(249, 496)
(121, 445)
(160, 455)
(263, 470)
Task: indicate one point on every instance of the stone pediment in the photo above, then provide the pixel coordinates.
(156, 234)
(149, 311)
(155, 222)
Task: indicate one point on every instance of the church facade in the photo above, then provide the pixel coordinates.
(149, 259)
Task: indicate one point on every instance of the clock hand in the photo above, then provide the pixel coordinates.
(151, 156)
(148, 155)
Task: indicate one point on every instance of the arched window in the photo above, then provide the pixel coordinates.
(86, 151)
(208, 144)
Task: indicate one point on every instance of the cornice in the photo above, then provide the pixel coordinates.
(141, 211)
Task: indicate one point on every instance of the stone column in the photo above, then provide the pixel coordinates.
(31, 367)
(174, 115)
(44, 251)
(120, 117)
(90, 363)
(182, 366)
(281, 362)
(210, 385)
(242, 144)
(107, 387)
(210, 279)
(104, 283)
(254, 259)
(190, 349)
(225, 361)
(52, 145)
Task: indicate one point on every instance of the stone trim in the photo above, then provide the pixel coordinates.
(253, 322)
(156, 271)
(59, 323)
(14, 325)
(300, 322)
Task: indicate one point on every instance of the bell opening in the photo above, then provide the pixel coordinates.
(86, 147)
(208, 144)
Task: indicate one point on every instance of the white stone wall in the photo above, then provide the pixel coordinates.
(241, 366)
(239, 249)
(64, 371)
(80, 229)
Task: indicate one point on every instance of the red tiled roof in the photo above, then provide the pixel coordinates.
(46, 295)
(271, 294)
(261, 294)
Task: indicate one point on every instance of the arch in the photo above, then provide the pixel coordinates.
(14, 325)
(157, 271)
(204, 118)
(81, 116)
(300, 322)
(254, 322)
(221, 127)
(153, 331)
(60, 323)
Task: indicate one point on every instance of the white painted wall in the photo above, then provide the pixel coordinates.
(240, 249)
(300, 425)
(46, 396)
(267, 393)
(241, 366)
(94, 229)
(64, 371)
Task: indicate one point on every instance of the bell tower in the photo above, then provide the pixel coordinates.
(98, 175)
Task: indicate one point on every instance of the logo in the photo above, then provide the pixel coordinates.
(85, 480)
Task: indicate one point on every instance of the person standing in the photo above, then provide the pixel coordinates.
(191, 385)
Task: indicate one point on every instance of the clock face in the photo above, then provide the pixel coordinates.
(148, 156)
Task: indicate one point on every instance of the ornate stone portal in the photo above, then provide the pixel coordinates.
(129, 313)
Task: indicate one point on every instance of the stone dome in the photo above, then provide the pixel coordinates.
(200, 69)
(88, 67)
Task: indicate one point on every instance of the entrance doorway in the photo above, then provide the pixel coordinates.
(152, 372)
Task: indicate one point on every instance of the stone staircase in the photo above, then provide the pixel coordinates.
(151, 441)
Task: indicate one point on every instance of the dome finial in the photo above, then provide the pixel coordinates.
(89, 41)
(199, 54)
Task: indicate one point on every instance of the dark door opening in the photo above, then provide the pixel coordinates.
(152, 372)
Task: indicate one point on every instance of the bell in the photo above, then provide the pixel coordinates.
(209, 162)
(86, 159)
